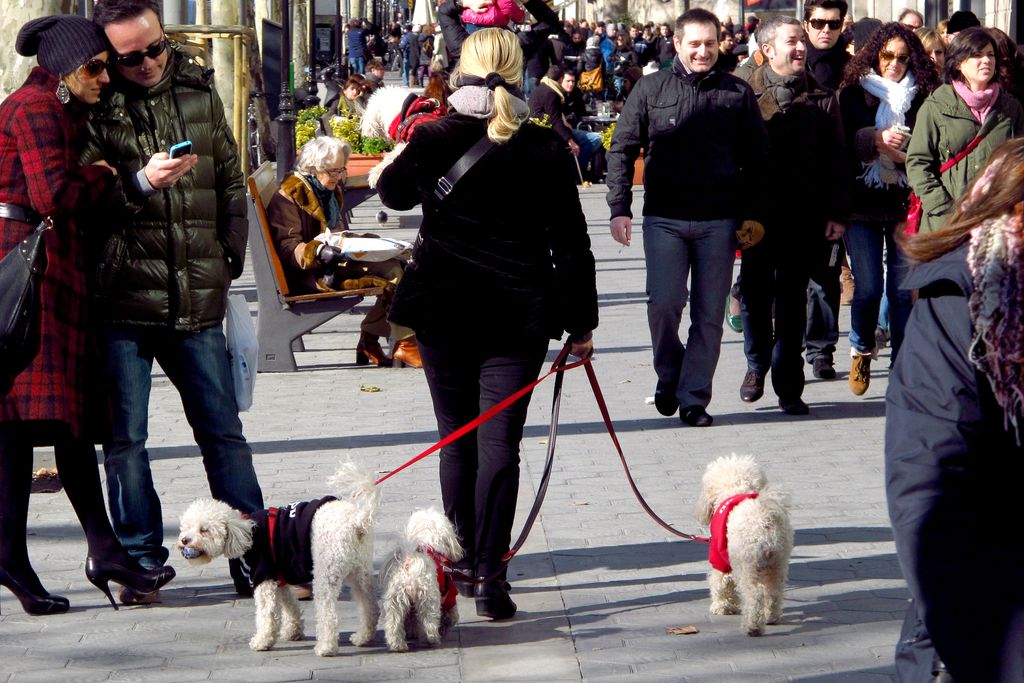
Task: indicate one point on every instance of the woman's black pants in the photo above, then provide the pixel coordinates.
(480, 471)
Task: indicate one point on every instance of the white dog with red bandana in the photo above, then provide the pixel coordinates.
(751, 541)
(418, 597)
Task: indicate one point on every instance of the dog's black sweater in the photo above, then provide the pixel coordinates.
(288, 556)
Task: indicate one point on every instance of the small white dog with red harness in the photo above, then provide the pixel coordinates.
(418, 594)
(751, 541)
(326, 541)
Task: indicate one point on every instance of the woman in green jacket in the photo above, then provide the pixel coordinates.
(971, 104)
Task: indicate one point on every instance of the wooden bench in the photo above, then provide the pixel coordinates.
(284, 317)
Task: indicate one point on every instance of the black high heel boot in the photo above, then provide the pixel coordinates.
(100, 572)
(33, 603)
(492, 600)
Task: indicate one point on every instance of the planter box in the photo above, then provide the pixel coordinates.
(359, 166)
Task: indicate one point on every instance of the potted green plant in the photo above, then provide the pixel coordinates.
(367, 151)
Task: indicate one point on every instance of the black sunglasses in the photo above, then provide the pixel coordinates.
(136, 58)
(93, 68)
(887, 56)
(819, 24)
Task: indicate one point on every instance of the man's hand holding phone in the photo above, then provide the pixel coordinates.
(165, 168)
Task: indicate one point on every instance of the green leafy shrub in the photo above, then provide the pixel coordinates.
(376, 146)
(606, 136)
(347, 128)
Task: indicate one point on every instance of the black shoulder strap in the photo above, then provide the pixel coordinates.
(446, 183)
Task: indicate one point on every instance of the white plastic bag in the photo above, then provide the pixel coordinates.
(243, 350)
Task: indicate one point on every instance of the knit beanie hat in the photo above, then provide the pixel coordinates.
(961, 20)
(594, 41)
(61, 43)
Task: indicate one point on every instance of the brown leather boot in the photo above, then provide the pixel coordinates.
(407, 352)
(368, 349)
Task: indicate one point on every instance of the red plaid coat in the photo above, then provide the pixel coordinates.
(38, 142)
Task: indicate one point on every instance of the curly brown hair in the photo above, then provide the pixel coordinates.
(866, 59)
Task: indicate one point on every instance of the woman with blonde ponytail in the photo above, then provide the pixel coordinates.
(502, 266)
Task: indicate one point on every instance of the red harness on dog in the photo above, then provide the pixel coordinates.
(444, 581)
(718, 548)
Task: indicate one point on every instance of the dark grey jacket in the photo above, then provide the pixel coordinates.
(185, 243)
(951, 469)
(704, 145)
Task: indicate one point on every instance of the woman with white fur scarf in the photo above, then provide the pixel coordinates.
(885, 85)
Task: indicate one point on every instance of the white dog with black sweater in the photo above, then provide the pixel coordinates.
(326, 541)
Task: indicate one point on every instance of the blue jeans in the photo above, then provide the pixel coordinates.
(702, 251)
(589, 144)
(871, 268)
(197, 365)
(406, 71)
(357, 65)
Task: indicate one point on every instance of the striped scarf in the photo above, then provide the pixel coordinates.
(996, 261)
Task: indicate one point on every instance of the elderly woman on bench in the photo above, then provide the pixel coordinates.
(311, 202)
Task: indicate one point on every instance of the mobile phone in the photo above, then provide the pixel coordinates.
(180, 149)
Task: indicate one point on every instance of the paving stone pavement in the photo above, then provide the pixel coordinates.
(597, 583)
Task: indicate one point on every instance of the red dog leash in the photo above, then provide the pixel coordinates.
(558, 368)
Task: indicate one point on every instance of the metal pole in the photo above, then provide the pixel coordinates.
(338, 37)
(286, 117)
(83, 8)
(312, 98)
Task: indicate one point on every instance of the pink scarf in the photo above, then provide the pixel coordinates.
(980, 102)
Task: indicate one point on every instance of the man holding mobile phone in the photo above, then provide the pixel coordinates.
(185, 229)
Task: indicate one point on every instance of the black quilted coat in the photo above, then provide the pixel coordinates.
(185, 243)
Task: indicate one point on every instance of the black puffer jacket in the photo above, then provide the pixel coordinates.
(704, 145)
(184, 243)
(490, 265)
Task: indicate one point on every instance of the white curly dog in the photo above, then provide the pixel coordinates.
(751, 541)
(418, 597)
(327, 541)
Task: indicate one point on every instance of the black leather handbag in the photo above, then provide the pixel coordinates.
(20, 273)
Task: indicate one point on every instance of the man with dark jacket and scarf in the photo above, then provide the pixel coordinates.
(826, 58)
(802, 119)
(167, 265)
(705, 146)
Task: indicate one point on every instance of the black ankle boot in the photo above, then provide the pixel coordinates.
(31, 601)
(492, 600)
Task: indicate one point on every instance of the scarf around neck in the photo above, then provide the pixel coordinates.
(328, 201)
(896, 98)
(784, 89)
(980, 102)
(478, 101)
(996, 262)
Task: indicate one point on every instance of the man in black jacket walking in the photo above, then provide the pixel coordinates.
(704, 144)
(802, 119)
(826, 58)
